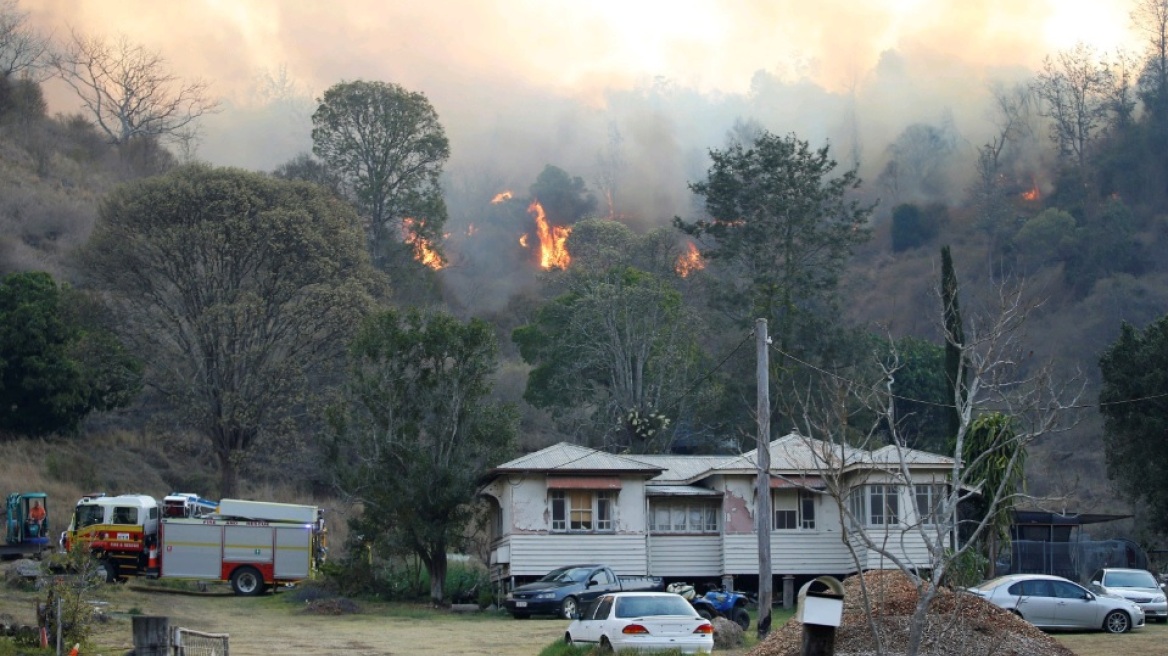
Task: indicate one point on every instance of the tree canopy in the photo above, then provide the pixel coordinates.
(54, 368)
(237, 289)
(416, 430)
(1134, 403)
(388, 148)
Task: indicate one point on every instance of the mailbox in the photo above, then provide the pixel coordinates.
(821, 607)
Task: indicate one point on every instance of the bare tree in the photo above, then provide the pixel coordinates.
(23, 50)
(129, 90)
(923, 542)
(1151, 18)
(1075, 88)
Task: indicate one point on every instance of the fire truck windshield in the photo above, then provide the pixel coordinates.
(89, 515)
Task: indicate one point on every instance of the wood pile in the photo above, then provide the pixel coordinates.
(958, 624)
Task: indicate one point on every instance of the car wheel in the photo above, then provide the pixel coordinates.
(705, 615)
(1117, 621)
(247, 582)
(605, 645)
(520, 616)
(568, 608)
(568, 639)
(740, 617)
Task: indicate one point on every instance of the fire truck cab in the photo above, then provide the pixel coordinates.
(118, 530)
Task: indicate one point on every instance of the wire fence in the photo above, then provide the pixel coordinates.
(187, 642)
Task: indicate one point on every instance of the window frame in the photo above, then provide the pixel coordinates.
(935, 494)
(599, 516)
(709, 512)
(862, 506)
(799, 517)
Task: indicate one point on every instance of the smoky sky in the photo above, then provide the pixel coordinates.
(641, 89)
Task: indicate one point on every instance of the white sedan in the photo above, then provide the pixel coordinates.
(633, 621)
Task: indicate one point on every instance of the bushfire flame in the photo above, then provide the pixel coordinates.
(1033, 193)
(500, 197)
(423, 250)
(689, 261)
(553, 250)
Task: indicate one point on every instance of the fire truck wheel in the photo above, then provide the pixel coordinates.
(247, 582)
(110, 567)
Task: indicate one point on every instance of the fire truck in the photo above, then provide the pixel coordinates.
(251, 544)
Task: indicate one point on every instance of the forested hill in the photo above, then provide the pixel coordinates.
(1085, 233)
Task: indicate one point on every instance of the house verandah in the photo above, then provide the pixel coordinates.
(692, 517)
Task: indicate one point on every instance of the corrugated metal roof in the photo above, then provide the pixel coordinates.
(892, 454)
(681, 469)
(795, 453)
(680, 491)
(565, 456)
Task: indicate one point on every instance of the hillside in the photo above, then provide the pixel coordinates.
(54, 171)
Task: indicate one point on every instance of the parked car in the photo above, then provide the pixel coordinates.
(1134, 585)
(635, 621)
(566, 590)
(1052, 602)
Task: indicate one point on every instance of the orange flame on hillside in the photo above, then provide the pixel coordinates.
(423, 250)
(1033, 193)
(500, 197)
(689, 261)
(553, 250)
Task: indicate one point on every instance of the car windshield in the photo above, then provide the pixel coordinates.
(89, 515)
(1129, 580)
(650, 606)
(567, 575)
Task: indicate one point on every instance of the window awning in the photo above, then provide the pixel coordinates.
(797, 482)
(680, 491)
(584, 483)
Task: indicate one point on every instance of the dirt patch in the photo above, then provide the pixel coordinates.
(339, 606)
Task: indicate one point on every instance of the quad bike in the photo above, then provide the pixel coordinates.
(715, 603)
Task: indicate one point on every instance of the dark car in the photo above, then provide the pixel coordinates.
(562, 592)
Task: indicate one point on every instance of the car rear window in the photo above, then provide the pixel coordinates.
(649, 606)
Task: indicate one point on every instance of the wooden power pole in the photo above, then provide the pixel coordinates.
(763, 480)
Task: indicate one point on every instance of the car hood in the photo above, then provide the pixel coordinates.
(541, 586)
(1130, 593)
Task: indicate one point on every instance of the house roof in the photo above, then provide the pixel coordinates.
(680, 491)
(681, 469)
(794, 453)
(892, 454)
(564, 457)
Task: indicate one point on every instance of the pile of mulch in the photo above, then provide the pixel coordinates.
(334, 606)
(958, 624)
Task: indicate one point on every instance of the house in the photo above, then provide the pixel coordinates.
(692, 517)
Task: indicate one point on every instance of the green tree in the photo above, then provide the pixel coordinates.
(55, 369)
(781, 229)
(956, 374)
(416, 431)
(618, 343)
(388, 148)
(1134, 403)
(913, 226)
(238, 289)
(565, 199)
(920, 391)
(997, 464)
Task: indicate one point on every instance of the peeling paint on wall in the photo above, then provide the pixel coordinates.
(737, 515)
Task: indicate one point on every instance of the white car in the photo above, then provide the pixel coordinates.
(630, 621)
(1052, 602)
(1134, 585)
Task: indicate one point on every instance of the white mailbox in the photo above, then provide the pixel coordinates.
(821, 607)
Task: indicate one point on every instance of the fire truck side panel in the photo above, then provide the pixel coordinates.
(247, 544)
(191, 550)
(293, 551)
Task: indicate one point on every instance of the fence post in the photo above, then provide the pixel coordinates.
(151, 635)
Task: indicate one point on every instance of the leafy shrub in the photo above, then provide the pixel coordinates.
(404, 579)
(966, 570)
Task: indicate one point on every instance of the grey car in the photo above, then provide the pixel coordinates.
(1052, 602)
(1134, 585)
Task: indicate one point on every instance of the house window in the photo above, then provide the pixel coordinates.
(875, 505)
(793, 509)
(582, 510)
(929, 498)
(683, 516)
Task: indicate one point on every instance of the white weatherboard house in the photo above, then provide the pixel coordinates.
(693, 517)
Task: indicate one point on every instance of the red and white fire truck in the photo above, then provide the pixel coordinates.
(252, 544)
